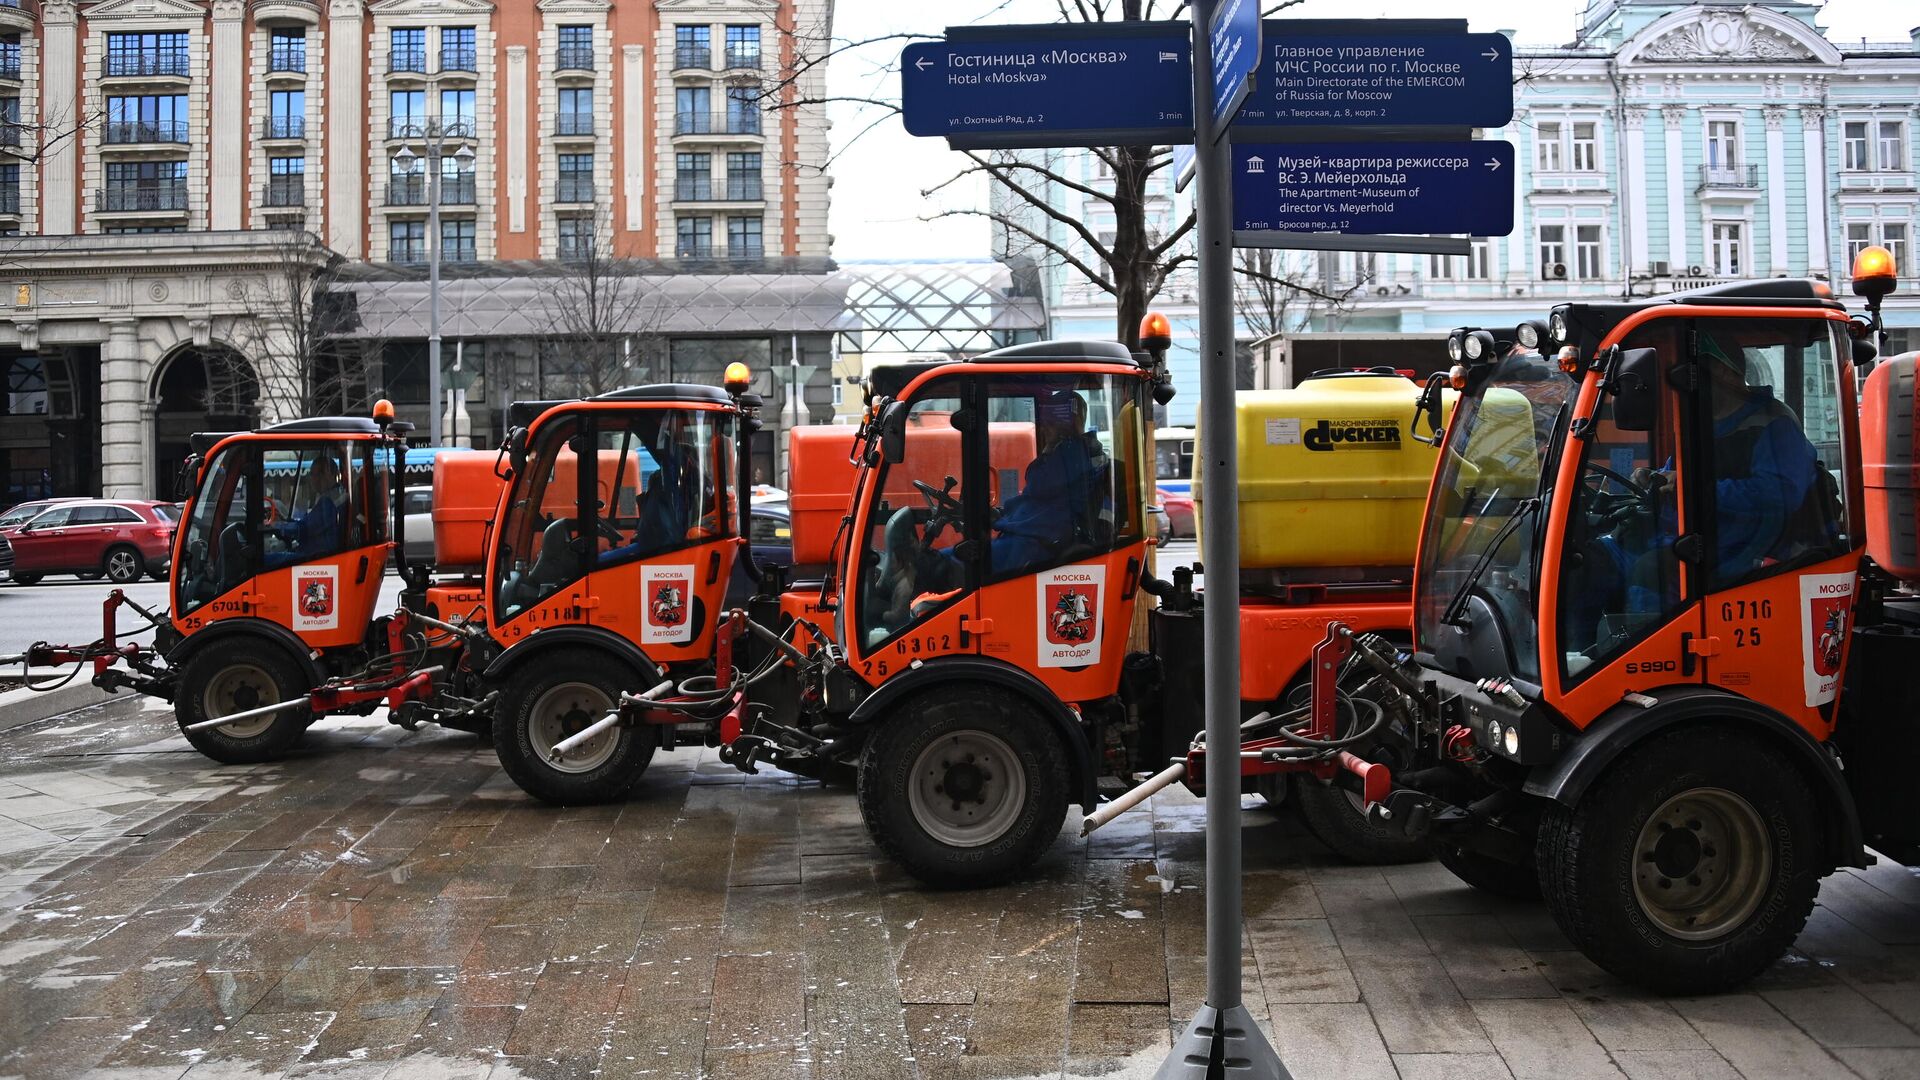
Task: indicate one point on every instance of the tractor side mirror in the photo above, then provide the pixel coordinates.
(893, 433)
(1635, 389)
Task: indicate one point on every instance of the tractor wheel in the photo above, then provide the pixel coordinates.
(1690, 866)
(964, 787)
(228, 679)
(543, 705)
(1490, 875)
(123, 565)
(1339, 820)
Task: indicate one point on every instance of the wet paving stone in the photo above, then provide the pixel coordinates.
(391, 906)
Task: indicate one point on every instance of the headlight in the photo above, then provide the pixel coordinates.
(1454, 348)
(1512, 742)
(1528, 335)
(1493, 732)
(1557, 326)
(1479, 346)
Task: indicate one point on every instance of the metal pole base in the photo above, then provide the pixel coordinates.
(1223, 1046)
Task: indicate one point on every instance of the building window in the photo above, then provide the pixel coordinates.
(693, 176)
(456, 240)
(1553, 251)
(693, 237)
(1892, 235)
(286, 181)
(1892, 146)
(743, 110)
(9, 189)
(10, 121)
(1587, 256)
(1855, 153)
(743, 177)
(1723, 145)
(287, 114)
(576, 238)
(743, 238)
(409, 49)
(743, 46)
(576, 49)
(408, 114)
(576, 179)
(1874, 146)
(1474, 266)
(156, 119)
(9, 54)
(1586, 148)
(406, 183)
(163, 53)
(287, 49)
(457, 52)
(1725, 249)
(1548, 156)
(692, 110)
(407, 241)
(692, 47)
(576, 111)
(456, 181)
(457, 114)
(144, 185)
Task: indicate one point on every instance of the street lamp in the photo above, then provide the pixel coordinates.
(436, 142)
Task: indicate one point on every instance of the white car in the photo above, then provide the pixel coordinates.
(417, 504)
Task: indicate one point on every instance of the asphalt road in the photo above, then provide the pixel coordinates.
(66, 610)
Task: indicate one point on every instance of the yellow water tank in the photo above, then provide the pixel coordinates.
(1330, 475)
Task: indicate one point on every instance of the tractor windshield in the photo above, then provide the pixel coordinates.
(1481, 524)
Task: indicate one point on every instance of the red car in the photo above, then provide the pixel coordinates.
(118, 539)
(1179, 508)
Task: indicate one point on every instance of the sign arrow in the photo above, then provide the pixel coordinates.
(1493, 165)
(923, 63)
(1491, 54)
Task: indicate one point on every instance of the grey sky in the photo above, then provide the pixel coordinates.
(878, 177)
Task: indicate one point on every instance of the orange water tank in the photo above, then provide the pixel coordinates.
(1889, 434)
(466, 494)
(819, 488)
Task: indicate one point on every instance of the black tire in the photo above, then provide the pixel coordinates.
(226, 678)
(25, 579)
(157, 573)
(123, 565)
(545, 702)
(1669, 797)
(1004, 753)
(1337, 819)
(1489, 875)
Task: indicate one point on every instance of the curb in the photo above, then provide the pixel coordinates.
(21, 707)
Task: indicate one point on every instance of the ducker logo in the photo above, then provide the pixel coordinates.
(1353, 435)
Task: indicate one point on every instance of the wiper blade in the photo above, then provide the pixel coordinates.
(1455, 606)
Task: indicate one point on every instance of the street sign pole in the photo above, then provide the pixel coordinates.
(1222, 1040)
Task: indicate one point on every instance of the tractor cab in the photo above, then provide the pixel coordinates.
(1000, 512)
(286, 526)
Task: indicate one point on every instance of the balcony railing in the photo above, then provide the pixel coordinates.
(9, 200)
(573, 124)
(138, 65)
(285, 191)
(693, 249)
(407, 62)
(461, 127)
(1730, 176)
(727, 123)
(408, 252)
(285, 127)
(457, 251)
(693, 188)
(459, 58)
(284, 59)
(118, 199)
(573, 58)
(744, 189)
(124, 132)
(573, 189)
(692, 56)
(406, 127)
(407, 191)
(752, 250)
(743, 58)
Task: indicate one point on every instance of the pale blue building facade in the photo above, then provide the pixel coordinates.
(1669, 146)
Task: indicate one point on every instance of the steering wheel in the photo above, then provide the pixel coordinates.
(608, 530)
(270, 510)
(937, 500)
(1632, 488)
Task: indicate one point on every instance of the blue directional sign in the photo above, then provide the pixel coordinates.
(1184, 158)
(1128, 85)
(1304, 80)
(1234, 33)
(1374, 188)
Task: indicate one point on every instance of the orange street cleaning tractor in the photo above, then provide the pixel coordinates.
(1664, 624)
